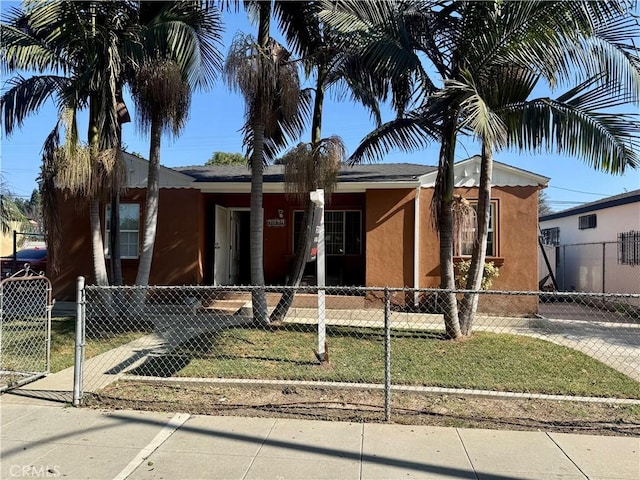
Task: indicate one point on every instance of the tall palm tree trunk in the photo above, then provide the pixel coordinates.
(151, 209)
(469, 304)
(256, 228)
(256, 222)
(114, 238)
(116, 185)
(114, 232)
(97, 244)
(305, 238)
(445, 185)
(306, 233)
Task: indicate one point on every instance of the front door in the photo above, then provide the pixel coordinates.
(239, 249)
(222, 246)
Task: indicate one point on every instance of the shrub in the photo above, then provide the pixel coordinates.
(490, 272)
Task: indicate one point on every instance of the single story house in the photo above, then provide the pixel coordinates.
(597, 245)
(378, 226)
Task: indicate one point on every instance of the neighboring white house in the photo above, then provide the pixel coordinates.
(597, 245)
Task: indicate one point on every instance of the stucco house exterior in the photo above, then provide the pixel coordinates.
(597, 245)
(377, 224)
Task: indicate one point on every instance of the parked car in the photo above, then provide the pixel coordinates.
(35, 257)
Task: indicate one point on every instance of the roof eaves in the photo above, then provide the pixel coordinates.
(615, 201)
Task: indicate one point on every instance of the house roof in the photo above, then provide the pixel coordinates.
(368, 176)
(378, 172)
(357, 178)
(614, 201)
(467, 174)
(138, 168)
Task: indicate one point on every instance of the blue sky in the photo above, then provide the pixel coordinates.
(217, 116)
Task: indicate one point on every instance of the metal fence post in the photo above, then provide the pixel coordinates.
(49, 310)
(604, 268)
(79, 353)
(387, 356)
(564, 268)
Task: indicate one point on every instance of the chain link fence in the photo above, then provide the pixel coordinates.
(602, 267)
(25, 329)
(372, 351)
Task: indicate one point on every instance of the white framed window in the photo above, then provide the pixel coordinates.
(129, 230)
(464, 249)
(342, 231)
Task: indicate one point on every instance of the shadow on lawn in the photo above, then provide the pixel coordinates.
(223, 345)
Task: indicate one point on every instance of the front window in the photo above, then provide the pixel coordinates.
(129, 230)
(342, 231)
(465, 248)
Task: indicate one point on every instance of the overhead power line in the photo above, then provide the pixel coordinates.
(580, 191)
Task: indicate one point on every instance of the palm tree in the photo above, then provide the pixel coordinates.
(308, 167)
(9, 211)
(262, 72)
(493, 97)
(316, 164)
(490, 55)
(180, 54)
(75, 49)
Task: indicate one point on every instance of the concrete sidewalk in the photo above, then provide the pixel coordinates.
(48, 440)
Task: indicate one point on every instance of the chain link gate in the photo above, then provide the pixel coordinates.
(25, 329)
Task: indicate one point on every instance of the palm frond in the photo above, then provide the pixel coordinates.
(307, 168)
(270, 86)
(300, 23)
(31, 38)
(475, 112)
(572, 39)
(26, 96)
(407, 134)
(161, 93)
(598, 93)
(190, 35)
(288, 129)
(605, 141)
(10, 214)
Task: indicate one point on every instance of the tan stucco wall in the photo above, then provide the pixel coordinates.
(183, 251)
(389, 230)
(70, 253)
(517, 227)
(390, 239)
(177, 256)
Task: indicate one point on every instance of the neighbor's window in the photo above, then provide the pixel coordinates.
(551, 236)
(629, 248)
(465, 248)
(587, 221)
(129, 230)
(342, 231)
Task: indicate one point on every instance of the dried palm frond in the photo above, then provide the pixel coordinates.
(72, 170)
(266, 78)
(161, 92)
(308, 169)
(464, 222)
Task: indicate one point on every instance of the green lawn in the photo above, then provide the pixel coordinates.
(24, 347)
(487, 361)
(63, 337)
